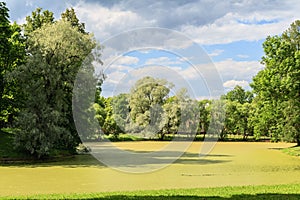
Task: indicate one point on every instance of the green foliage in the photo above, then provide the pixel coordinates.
(238, 94)
(147, 93)
(110, 125)
(120, 108)
(37, 20)
(146, 101)
(238, 113)
(56, 53)
(204, 115)
(171, 117)
(12, 54)
(277, 86)
(70, 16)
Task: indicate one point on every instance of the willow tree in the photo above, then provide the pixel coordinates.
(56, 51)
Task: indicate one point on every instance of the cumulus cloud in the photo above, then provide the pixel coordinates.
(126, 60)
(232, 83)
(164, 61)
(105, 22)
(207, 22)
(216, 52)
(238, 70)
(242, 56)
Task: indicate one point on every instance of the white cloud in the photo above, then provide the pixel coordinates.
(114, 77)
(163, 61)
(207, 22)
(242, 56)
(126, 60)
(232, 83)
(249, 26)
(105, 22)
(212, 22)
(238, 70)
(216, 52)
(119, 68)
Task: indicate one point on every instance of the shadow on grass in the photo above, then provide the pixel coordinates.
(68, 162)
(87, 160)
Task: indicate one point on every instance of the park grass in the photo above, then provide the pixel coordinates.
(293, 151)
(287, 191)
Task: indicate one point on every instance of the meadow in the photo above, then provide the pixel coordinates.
(231, 169)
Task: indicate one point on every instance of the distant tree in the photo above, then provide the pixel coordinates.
(238, 107)
(147, 93)
(204, 115)
(239, 94)
(120, 106)
(110, 125)
(277, 86)
(170, 119)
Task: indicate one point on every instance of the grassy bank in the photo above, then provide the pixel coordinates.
(293, 151)
(289, 191)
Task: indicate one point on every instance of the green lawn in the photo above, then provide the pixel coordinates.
(290, 191)
(293, 151)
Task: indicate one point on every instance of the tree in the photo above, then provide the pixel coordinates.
(170, 119)
(12, 54)
(238, 107)
(147, 93)
(120, 110)
(57, 51)
(204, 115)
(277, 86)
(239, 94)
(70, 16)
(110, 125)
(37, 20)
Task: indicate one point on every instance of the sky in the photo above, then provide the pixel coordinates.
(206, 46)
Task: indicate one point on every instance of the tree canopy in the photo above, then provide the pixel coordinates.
(56, 51)
(277, 86)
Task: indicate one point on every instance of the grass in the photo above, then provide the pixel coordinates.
(293, 151)
(288, 191)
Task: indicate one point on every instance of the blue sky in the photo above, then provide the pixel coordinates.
(230, 33)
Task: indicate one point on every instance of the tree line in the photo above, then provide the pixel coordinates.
(40, 59)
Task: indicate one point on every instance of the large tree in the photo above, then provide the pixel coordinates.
(277, 86)
(12, 54)
(57, 51)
